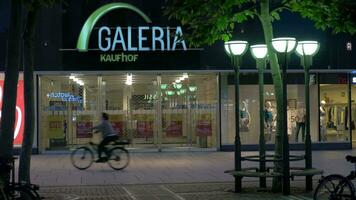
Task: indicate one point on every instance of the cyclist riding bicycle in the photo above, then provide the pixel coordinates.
(108, 135)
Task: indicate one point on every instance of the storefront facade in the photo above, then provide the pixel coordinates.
(163, 94)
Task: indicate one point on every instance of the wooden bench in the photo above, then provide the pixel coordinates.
(300, 171)
(253, 172)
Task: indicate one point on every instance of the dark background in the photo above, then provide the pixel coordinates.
(59, 27)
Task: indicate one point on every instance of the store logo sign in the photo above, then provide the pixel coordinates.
(65, 96)
(146, 39)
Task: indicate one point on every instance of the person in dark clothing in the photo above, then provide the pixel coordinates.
(108, 134)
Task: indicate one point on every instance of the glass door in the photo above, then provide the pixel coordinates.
(189, 110)
(130, 100)
(68, 109)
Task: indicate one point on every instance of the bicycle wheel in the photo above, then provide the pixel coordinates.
(22, 193)
(334, 187)
(82, 158)
(119, 158)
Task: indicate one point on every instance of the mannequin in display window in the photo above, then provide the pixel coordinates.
(268, 120)
(322, 120)
(300, 121)
(244, 116)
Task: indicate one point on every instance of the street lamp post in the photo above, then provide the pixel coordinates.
(306, 50)
(284, 46)
(235, 50)
(259, 52)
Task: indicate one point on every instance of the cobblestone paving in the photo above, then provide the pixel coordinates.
(187, 191)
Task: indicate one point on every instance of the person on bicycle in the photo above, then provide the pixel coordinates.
(108, 135)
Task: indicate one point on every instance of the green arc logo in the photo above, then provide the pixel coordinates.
(84, 36)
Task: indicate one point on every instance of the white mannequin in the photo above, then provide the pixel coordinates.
(322, 120)
(244, 116)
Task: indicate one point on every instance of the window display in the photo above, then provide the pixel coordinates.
(334, 113)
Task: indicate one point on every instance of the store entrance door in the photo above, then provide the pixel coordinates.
(168, 111)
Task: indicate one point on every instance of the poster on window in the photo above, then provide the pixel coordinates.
(117, 122)
(204, 125)
(83, 126)
(145, 124)
(173, 125)
(20, 112)
(56, 126)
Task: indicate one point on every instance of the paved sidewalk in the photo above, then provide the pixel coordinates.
(166, 175)
(164, 167)
(183, 191)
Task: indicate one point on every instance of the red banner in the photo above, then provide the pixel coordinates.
(174, 129)
(204, 128)
(83, 129)
(144, 129)
(118, 127)
(20, 112)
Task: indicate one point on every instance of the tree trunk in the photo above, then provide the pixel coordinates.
(26, 150)
(10, 84)
(277, 82)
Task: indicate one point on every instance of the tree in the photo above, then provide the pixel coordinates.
(207, 21)
(27, 143)
(32, 7)
(10, 84)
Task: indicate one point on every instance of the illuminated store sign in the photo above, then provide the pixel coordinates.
(128, 39)
(20, 112)
(65, 96)
(354, 80)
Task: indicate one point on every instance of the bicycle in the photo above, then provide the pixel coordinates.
(14, 190)
(117, 156)
(337, 187)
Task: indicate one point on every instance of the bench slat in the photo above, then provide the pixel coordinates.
(255, 174)
(306, 172)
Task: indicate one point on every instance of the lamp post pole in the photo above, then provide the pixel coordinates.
(306, 50)
(259, 52)
(286, 181)
(235, 49)
(308, 153)
(238, 179)
(261, 65)
(285, 46)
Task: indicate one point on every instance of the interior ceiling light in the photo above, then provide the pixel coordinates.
(185, 75)
(128, 79)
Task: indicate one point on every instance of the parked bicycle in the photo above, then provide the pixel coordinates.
(117, 156)
(13, 190)
(337, 187)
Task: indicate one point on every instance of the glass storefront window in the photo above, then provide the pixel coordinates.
(152, 111)
(249, 112)
(334, 113)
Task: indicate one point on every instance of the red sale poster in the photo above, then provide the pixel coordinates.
(83, 129)
(20, 112)
(174, 129)
(204, 128)
(118, 127)
(118, 123)
(204, 125)
(144, 129)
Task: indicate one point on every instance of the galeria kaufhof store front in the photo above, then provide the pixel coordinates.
(130, 61)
